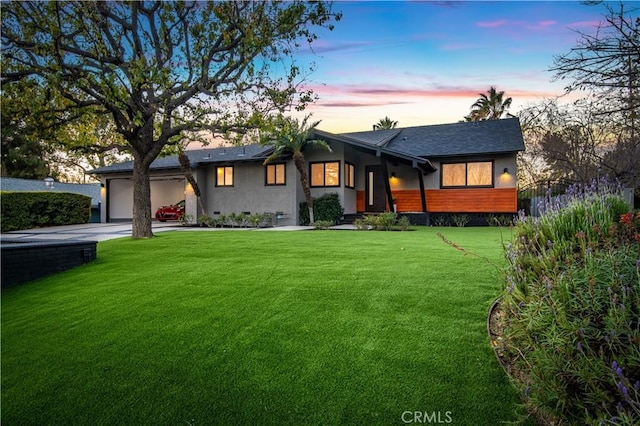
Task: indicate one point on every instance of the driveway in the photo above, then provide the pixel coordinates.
(109, 231)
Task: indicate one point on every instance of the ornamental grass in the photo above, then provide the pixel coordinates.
(571, 303)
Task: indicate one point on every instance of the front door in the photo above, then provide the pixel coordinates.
(375, 198)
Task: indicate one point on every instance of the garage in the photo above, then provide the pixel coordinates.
(165, 190)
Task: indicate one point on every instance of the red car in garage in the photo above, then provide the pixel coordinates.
(172, 212)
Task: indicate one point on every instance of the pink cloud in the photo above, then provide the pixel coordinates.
(585, 24)
(353, 95)
(493, 24)
(548, 23)
(459, 46)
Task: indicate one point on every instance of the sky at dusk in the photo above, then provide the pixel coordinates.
(426, 62)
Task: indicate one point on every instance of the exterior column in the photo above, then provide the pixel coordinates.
(190, 202)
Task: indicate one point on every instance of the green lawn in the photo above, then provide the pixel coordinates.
(309, 327)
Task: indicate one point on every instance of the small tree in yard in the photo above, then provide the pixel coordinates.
(160, 69)
(291, 137)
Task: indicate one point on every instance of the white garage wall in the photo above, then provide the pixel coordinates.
(164, 192)
(120, 193)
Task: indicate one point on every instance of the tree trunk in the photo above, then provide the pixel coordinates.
(141, 226)
(185, 166)
(301, 165)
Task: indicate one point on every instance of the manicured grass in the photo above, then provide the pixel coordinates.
(317, 327)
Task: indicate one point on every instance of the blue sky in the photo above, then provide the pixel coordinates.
(426, 62)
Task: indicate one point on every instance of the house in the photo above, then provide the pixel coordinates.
(462, 167)
(49, 185)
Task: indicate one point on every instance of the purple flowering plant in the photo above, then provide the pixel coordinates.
(572, 307)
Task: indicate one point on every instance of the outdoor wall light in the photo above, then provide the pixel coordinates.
(506, 170)
(393, 174)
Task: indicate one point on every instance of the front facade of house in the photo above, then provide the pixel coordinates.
(448, 168)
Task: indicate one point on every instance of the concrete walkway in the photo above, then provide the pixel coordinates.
(109, 231)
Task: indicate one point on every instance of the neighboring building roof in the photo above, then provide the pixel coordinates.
(456, 139)
(415, 144)
(26, 185)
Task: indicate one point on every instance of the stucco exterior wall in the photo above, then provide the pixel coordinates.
(250, 194)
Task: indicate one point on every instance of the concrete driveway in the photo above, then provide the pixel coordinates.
(109, 231)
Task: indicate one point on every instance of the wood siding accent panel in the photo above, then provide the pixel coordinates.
(468, 200)
(408, 200)
(360, 201)
(472, 200)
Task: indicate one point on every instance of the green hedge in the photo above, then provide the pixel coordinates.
(25, 210)
(325, 208)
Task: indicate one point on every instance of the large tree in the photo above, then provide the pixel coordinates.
(490, 106)
(607, 64)
(576, 142)
(288, 136)
(159, 69)
(24, 132)
(37, 142)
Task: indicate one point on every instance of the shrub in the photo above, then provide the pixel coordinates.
(361, 224)
(385, 221)
(460, 220)
(322, 224)
(440, 220)
(256, 219)
(382, 222)
(206, 221)
(24, 210)
(571, 324)
(404, 223)
(186, 219)
(500, 220)
(326, 207)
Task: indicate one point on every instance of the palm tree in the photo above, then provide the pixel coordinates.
(489, 107)
(291, 137)
(385, 123)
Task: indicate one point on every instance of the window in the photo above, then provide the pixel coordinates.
(224, 176)
(325, 174)
(467, 174)
(275, 174)
(349, 175)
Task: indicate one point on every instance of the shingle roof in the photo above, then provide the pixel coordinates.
(456, 139)
(254, 152)
(89, 189)
(413, 143)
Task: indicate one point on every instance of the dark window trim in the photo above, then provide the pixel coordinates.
(325, 174)
(233, 174)
(266, 174)
(353, 174)
(466, 185)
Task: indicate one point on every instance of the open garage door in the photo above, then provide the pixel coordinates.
(164, 191)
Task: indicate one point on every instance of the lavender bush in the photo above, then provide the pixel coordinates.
(571, 328)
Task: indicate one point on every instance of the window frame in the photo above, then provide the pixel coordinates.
(324, 163)
(350, 176)
(466, 174)
(275, 174)
(224, 184)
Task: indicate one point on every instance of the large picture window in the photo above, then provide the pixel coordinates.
(325, 174)
(276, 174)
(455, 175)
(224, 176)
(349, 175)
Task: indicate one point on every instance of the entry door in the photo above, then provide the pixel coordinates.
(375, 198)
